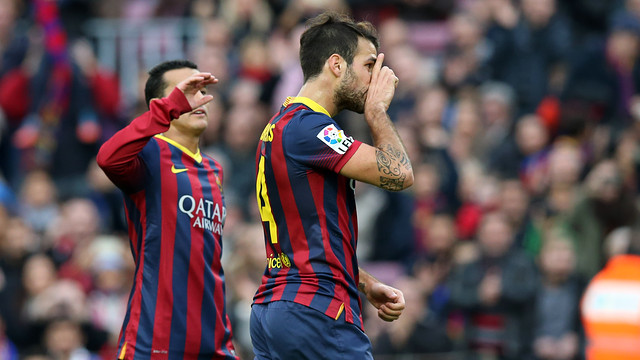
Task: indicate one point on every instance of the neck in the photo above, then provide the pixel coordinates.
(187, 140)
(320, 91)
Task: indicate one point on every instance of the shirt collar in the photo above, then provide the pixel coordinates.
(197, 157)
(307, 102)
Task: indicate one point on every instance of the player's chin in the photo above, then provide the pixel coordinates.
(197, 120)
(199, 126)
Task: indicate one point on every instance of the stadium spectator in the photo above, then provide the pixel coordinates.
(523, 154)
(530, 46)
(602, 206)
(515, 205)
(64, 339)
(38, 200)
(557, 329)
(13, 81)
(111, 270)
(495, 292)
(433, 268)
(8, 350)
(418, 332)
(497, 107)
(605, 77)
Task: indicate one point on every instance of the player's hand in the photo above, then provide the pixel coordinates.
(381, 88)
(389, 301)
(192, 88)
(490, 288)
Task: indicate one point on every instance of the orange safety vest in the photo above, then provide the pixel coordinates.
(611, 311)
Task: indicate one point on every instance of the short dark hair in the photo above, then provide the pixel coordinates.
(332, 33)
(155, 85)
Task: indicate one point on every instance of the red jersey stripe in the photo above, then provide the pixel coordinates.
(291, 214)
(195, 278)
(317, 183)
(348, 248)
(164, 299)
(136, 301)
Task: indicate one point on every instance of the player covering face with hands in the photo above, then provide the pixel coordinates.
(175, 211)
(306, 171)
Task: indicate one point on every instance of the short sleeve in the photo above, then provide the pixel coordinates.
(315, 140)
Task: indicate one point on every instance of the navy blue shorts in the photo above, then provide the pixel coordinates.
(284, 330)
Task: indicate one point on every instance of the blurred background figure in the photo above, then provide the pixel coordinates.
(604, 205)
(111, 271)
(420, 333)
(495, 292)
(64, 339)
(557, 327)
(38, 200)
(8, 350)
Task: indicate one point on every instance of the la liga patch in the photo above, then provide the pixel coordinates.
(335, 138)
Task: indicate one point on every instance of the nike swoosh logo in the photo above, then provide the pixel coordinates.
(177, 171)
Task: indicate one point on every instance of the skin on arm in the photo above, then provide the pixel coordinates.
(192, 87)
(388, 300)
(386, 163)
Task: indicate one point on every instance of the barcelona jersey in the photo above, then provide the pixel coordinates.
(308, 211)
(175, 210)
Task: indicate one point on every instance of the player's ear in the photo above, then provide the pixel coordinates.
(336, 64)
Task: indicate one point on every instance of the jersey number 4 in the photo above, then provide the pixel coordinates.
(266, 214)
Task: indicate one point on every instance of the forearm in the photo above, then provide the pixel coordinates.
(388, 300)
(365, 281)
(394, 166)
(118, 157)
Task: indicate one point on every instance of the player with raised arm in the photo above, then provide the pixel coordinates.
(308, 306)
(175, 210)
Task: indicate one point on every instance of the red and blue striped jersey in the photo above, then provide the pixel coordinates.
(308, 211)
(175, 210)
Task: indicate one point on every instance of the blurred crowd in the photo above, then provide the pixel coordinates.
(522, 118)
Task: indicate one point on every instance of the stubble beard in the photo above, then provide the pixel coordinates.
(349, 98)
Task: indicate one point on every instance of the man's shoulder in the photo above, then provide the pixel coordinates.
(300, 113)
(304, 119)
(151, 147)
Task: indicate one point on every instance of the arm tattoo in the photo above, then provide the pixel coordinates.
(392, 184)
(400, 155)
(389, 163)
